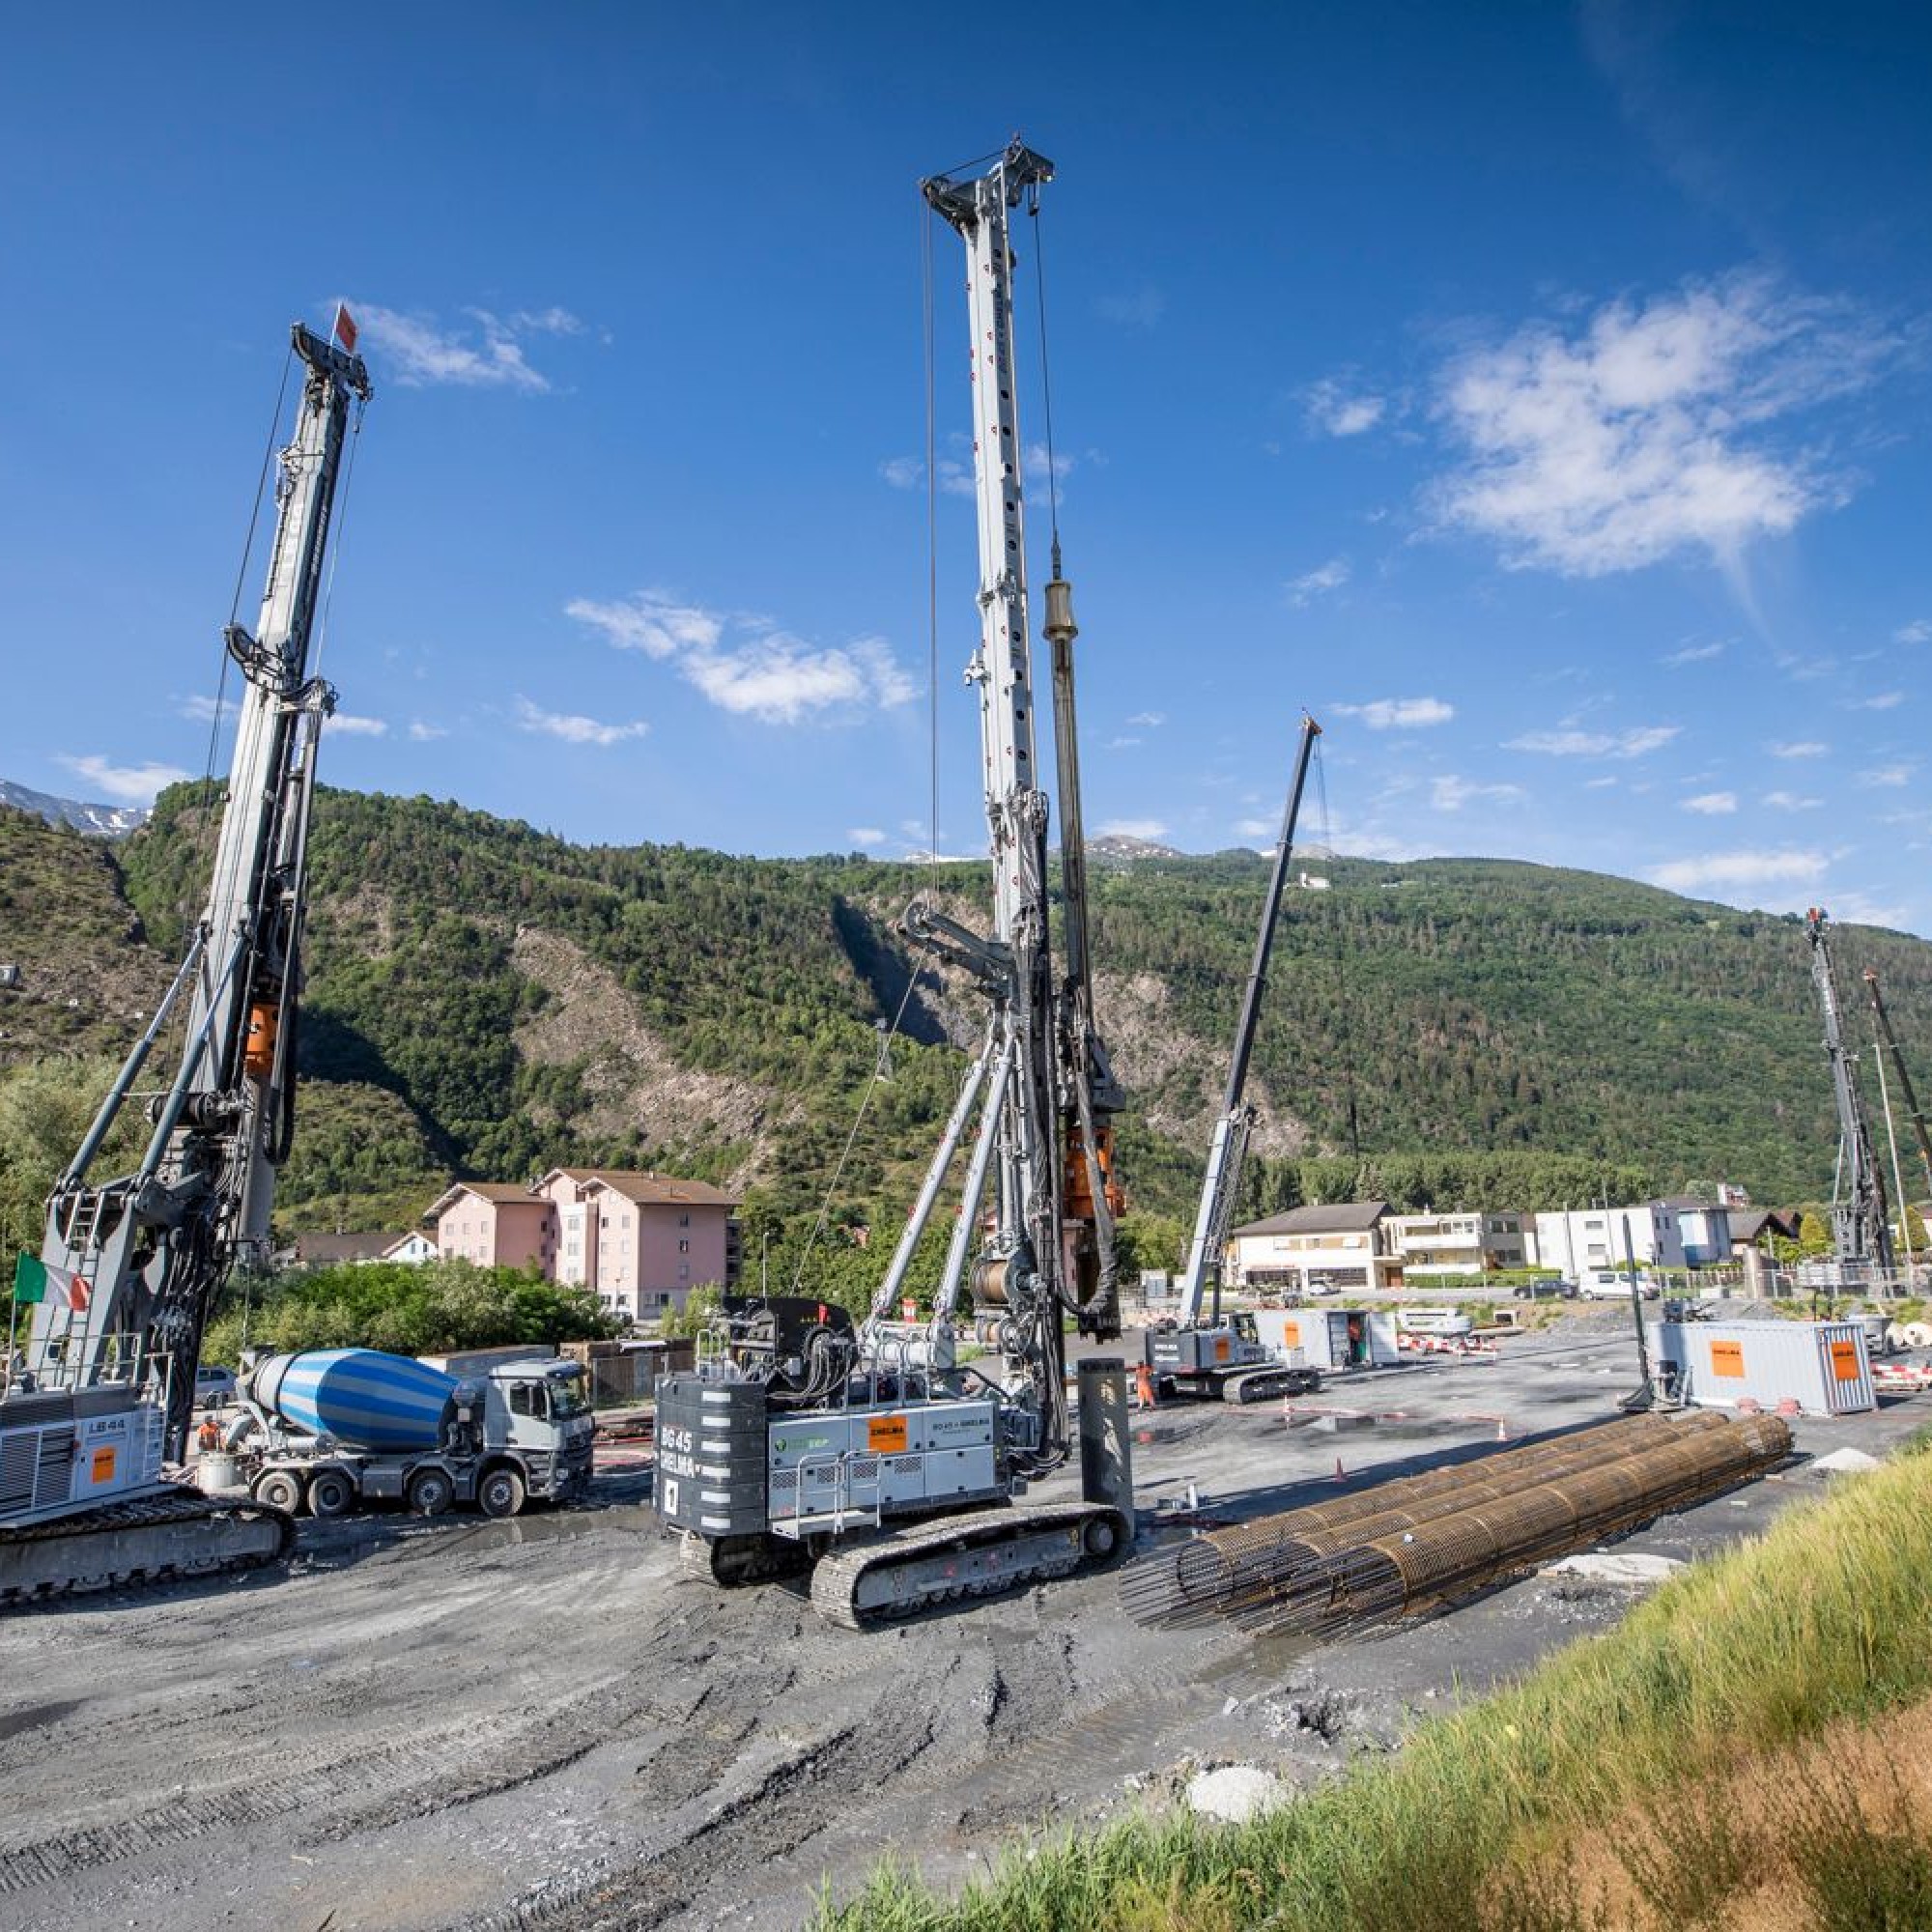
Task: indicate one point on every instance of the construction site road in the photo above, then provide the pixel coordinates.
(543, 1723)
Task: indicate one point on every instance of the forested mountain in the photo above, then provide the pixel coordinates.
(485, 1000)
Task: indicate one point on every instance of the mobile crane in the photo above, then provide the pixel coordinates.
(866, 1448)
(1860, 1228)
(1216, 1358)
(130, 1267)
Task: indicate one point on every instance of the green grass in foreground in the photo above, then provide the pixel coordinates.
(1826, 1619)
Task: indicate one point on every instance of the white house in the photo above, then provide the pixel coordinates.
(1464, 1243)
(1599, 1237)
(1315, 1250)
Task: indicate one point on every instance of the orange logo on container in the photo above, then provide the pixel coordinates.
(1291, 1333)
(1727, 1358)
(1845, 1361)
(104, 1465)
(886, 1434)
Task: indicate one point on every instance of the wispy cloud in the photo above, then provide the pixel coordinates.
(485, 350)
(1449, 793)
(1122, 743)
(351, 727)
(1736, 869)
(1398, 714)
(575, 729)
(1917, 632)
(1317, 583)
(423, 731)
(1648, 431)
(1885, 701)
(867, 836)
(1713, 803)
(1635, 743)
(747, 664)
(1790, 800)
(1149, 720)
(1255, 828)
(126, 785)
(908, 473)
(1691, 654)
(1131, 828)
(1339, 409)
(1139, 308)
(1800, 748)
(203, 709)
(1887, 778)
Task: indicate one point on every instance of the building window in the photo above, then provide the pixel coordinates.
(683, 1247)
(684, 1220)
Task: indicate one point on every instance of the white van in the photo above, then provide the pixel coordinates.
(1613, 1284)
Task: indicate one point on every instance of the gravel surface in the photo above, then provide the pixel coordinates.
(542, 1724)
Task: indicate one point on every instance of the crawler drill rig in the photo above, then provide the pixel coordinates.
(1215, 1358)
(130, 1267)
(865, 1448)
(1860, 1225)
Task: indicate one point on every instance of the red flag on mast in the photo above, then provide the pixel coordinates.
(344, 330)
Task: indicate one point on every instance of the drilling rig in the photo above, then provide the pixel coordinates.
(130, 1267)
(1217, 1358)
(869, 1449)
(1861, 1229)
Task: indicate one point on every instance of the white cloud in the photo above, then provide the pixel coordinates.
(1255, 828)
(1646, 432)
(1450, 793)
(762, 672)
(422, 731)
(1691, 654)
(1917, 632)
(1790, 801)
(1887, 777)
(1330, 575)
(127, 784)
(1333, 410)
(1035, 462)
(1398, 714)
(1142, 308)
(1885, 701)
(1131, 828)
(1123, 743)
(203, 710)
(1632, 742)
(908, 473)
(1603, 784)
(575, 729)
(1713, 803)
(351, 727)
(488, 356)
(1734, 869)
(1150, 719)
(1802, 748)
(867, 836)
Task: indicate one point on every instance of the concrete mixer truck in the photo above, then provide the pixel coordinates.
(328, 1429)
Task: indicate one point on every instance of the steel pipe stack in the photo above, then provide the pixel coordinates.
(1403, 1544)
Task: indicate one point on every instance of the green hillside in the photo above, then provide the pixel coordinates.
(485, 1000)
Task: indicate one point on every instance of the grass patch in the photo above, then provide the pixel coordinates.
(1824, 1623)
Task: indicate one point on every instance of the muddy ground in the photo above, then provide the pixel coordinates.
(541, 1724)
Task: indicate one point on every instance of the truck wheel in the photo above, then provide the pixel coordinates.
(330, 1493)
(500, 1493)
(283, 1489)
(430, 1493)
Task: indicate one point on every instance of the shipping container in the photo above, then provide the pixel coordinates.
(1822, 1366)
(1329, 1338)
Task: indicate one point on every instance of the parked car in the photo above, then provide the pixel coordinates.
(1613, 1284)
(214, 1386)
(1544, 1287)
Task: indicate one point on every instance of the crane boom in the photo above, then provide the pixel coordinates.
(1234, 1123)
(1914, 1112)
(140, 1258)
(1860, 1228)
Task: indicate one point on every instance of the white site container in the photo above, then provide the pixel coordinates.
(1329, 1338)
(1822, 1366)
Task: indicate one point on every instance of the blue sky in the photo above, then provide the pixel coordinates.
(1536, 394)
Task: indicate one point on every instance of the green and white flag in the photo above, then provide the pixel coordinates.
(36, 1280)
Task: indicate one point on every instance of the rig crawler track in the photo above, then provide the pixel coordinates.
(973, 1556)
(152, 1540)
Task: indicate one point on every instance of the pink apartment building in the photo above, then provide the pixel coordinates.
(640, 1242)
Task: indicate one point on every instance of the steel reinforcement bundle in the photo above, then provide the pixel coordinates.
(1400, 1544)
